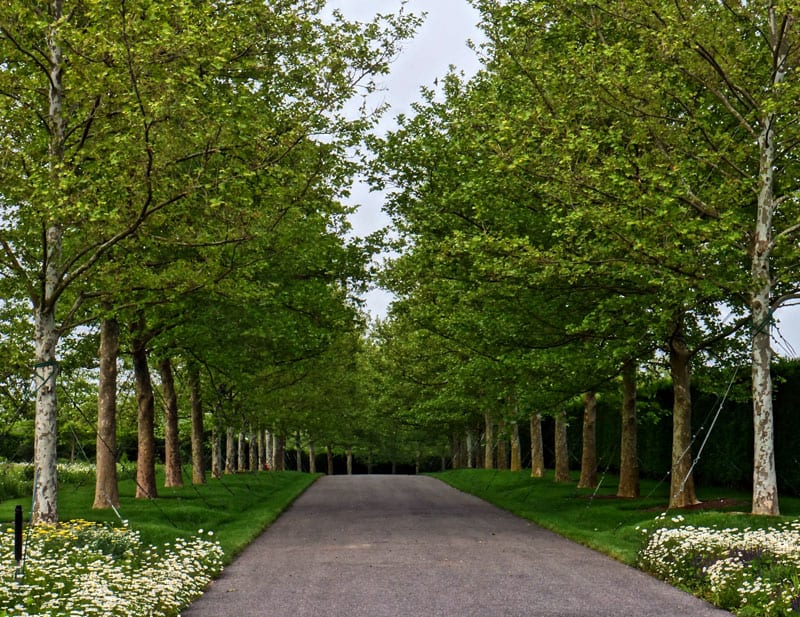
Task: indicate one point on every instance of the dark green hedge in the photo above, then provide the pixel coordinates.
(727, 457)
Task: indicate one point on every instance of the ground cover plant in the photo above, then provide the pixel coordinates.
(151, 557)
(747, 564)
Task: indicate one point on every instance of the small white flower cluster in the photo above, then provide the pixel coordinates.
(758, 569)
(83, 568)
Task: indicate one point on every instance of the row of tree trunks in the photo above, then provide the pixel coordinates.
(502, 450)
(269, 448)
(263, 446)
(251, 451)
(629, 472)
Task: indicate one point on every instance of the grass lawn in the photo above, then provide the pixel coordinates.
(598, 519)
(237, 508)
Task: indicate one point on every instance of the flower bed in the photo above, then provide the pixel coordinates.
(752, 572)
(85, 568)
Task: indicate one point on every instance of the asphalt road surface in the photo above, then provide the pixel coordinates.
(411, 546)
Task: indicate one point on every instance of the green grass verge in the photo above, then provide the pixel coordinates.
(598, 519)
(237, 508)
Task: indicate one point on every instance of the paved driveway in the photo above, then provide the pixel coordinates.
(411, 546)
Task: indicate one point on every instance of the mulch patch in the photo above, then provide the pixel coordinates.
(722, 503)
(712, 504)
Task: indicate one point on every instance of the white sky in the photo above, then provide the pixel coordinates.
(441, 42)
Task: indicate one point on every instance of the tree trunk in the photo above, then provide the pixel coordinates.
(455, 450)
(629, 454)
(216, 454)
(45, 496)
(280, 452)
(765, 485)
(253, 441)
(681, 493)
(172, 447)
(537, 447)
(299, 450)
(562, 449)
(488, 462)
(46, 335)
(329, 452)
(502, 442)
(270, 452)
(230, 451)
(241, 454)
(146, 454)
(516, 454)
(196, 404)
(588, 477)
(262, 449)
(312, 456)
(470, 450)
(349, 460)
(106, 488)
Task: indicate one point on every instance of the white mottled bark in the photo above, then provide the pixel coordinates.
(765, 484)
(45, 489)
(46, 335)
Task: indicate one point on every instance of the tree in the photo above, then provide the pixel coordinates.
(588, 477)
(628, 459)
(106, 492)
(114, 114)
(196, 404)
(172, 452)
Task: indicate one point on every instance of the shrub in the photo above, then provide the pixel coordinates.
(749, 571)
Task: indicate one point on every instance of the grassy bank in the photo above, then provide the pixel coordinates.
(746, 564)
(596, 518)
(236, 507)
(150, 557)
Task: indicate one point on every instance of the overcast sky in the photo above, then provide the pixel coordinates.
(440, 43)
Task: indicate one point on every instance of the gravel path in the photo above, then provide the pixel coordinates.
(411, 546)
